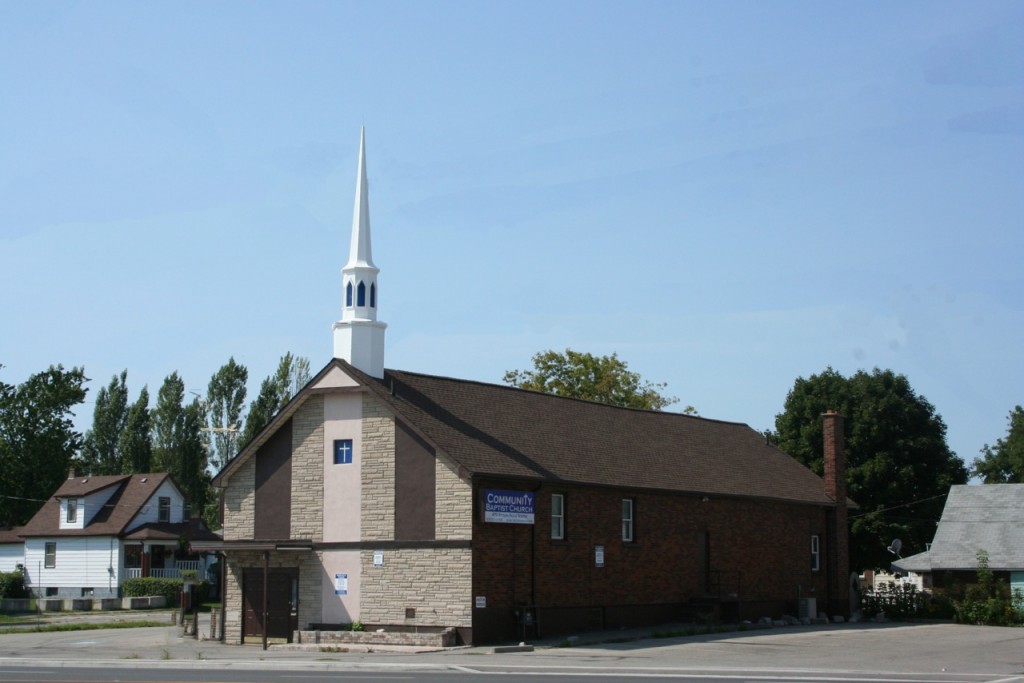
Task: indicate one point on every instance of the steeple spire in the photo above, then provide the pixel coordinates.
(358, 336)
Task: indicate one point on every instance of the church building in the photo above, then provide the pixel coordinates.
(416, 503)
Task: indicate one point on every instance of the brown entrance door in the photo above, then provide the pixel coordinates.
(282, 603)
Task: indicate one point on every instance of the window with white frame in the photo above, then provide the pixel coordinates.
(72, 516)
(557, 516)
(815, 553)
(627, 520)
(164, 511)
(50, 554)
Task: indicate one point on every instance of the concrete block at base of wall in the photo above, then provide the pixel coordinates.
(78, 605)
(446, 638)
(17, 605)
(106, 604)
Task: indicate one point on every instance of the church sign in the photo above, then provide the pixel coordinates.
(508, 507)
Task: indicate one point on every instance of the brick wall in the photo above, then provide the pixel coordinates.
(308, 470)
(378, 472)
(758, 550)
(240, 502)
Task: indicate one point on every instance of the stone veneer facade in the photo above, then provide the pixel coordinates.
(240, 503)
(377, 521)
(308, 470)
(436, 582)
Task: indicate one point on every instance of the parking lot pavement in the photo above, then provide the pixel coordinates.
(896, 648)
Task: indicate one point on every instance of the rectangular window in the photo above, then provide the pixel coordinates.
(72, 510)
(343, 452)
(88, 592)
(50, 554)
(51, 591)
(557, 516)
(815, 553)
(164, 511)
(627, 520)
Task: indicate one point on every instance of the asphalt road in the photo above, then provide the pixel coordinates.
(858, 653)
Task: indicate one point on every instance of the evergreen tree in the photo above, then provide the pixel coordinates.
(38, 441)
(136, 445)
(109, 416)
(190, 464)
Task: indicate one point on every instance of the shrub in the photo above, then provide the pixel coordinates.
(12, 584)
(989, 602)
(138, 588)
(897, 601)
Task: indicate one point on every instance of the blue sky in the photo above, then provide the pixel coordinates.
(730, 195)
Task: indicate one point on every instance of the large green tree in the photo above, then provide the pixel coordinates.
(166, 419)
(604, 379)
(899, 467)
(101, 453)
(225, 398)
(178, 443)
(1004, 462)
(275, 391)
(136, 443)
(38, 441)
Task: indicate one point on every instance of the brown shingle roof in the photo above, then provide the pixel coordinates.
(500, 431)
(111, 520)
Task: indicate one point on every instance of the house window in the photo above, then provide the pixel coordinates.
(164, 512)
(88, 592)
(557, 516)
(343, 451)
(72, 510)
(132, 556)
(627, 520)
(815, 553)
(51, 591)
(50, 554)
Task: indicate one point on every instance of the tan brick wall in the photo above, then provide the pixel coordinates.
(310, 587)
(240, 502)
(436, 582)
(308, 470)
(378, 472)
(454, 503)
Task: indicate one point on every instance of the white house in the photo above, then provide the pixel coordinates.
(96, 532)
(12, 550)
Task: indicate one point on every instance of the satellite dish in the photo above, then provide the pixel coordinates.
(895, 546)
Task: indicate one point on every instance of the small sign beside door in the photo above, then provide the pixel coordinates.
(341, 584)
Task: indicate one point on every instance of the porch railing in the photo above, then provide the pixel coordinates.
(165, 572)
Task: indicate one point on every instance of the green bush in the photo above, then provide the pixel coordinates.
(989, 602)
(12, 584)
(169, 588)
(901, 601)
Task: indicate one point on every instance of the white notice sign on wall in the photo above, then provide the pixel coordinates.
(378, 558)
(341, 584)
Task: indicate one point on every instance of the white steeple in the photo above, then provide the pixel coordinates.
(358, 336)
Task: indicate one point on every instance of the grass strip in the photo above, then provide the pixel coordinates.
(82, 626)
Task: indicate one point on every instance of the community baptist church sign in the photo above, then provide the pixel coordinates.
(508, 507)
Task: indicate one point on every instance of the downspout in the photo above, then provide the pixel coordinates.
(266, 582)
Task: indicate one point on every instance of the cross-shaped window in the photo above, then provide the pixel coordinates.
(343, 452)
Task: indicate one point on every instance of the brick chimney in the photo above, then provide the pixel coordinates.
(838, 532)
(71, 473)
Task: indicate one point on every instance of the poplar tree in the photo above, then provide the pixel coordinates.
(275, 391)
(225, 398)
(136, 444)
(109, 416)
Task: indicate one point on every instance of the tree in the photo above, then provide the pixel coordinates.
(166, 418)
(899, 467)
(109, 416)
(38, 440)
(1004, 462)
(225, 398)
(275, 391)
(178, 444)
(136, 443)
(605, 379)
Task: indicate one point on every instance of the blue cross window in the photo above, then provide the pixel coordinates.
(343, 452)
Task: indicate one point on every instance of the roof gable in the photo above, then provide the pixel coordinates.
(987, 517)
(132, 492)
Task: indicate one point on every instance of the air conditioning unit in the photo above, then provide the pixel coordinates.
(807, 608)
